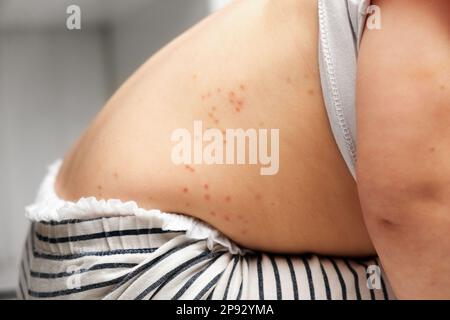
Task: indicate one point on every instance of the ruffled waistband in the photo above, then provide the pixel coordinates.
(49, 207)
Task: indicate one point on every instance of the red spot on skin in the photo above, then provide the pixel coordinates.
(212, 213)
(210, 115)
(185, 190)
(227, 199)
(232, 94)
(206, 186)
(99, 187)
(188, 204)
(240, 103)
(240, 217)
(272, 204)
(242, 87)
(311, 92)
(207, 197)
(244, 231)
(258, 197)
(219, 90)
(237, 110)
(227, 217)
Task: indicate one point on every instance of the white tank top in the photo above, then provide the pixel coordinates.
(341, 24)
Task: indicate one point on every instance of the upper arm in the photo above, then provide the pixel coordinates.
(403, 164)
(403, 104)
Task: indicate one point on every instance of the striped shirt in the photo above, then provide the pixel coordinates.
(132, 257)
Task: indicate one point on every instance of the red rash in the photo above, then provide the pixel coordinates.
(207, 197)
(235, 101)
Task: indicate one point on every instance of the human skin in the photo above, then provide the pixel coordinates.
(252, 65)
(403, 117)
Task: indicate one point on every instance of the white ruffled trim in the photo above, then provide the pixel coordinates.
(49, 207)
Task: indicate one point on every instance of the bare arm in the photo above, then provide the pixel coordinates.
(403, 170)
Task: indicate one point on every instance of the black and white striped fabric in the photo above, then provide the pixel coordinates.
(132, 257)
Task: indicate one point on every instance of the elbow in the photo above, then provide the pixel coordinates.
(392, 198)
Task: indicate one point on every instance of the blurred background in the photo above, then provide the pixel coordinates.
(54, 80)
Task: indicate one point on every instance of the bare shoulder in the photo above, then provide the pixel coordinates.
(265, 48)
(252, 66)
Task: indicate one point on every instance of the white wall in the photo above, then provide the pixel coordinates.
(141, 35)
(53, 81)
(215, 5)
(51, 84)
